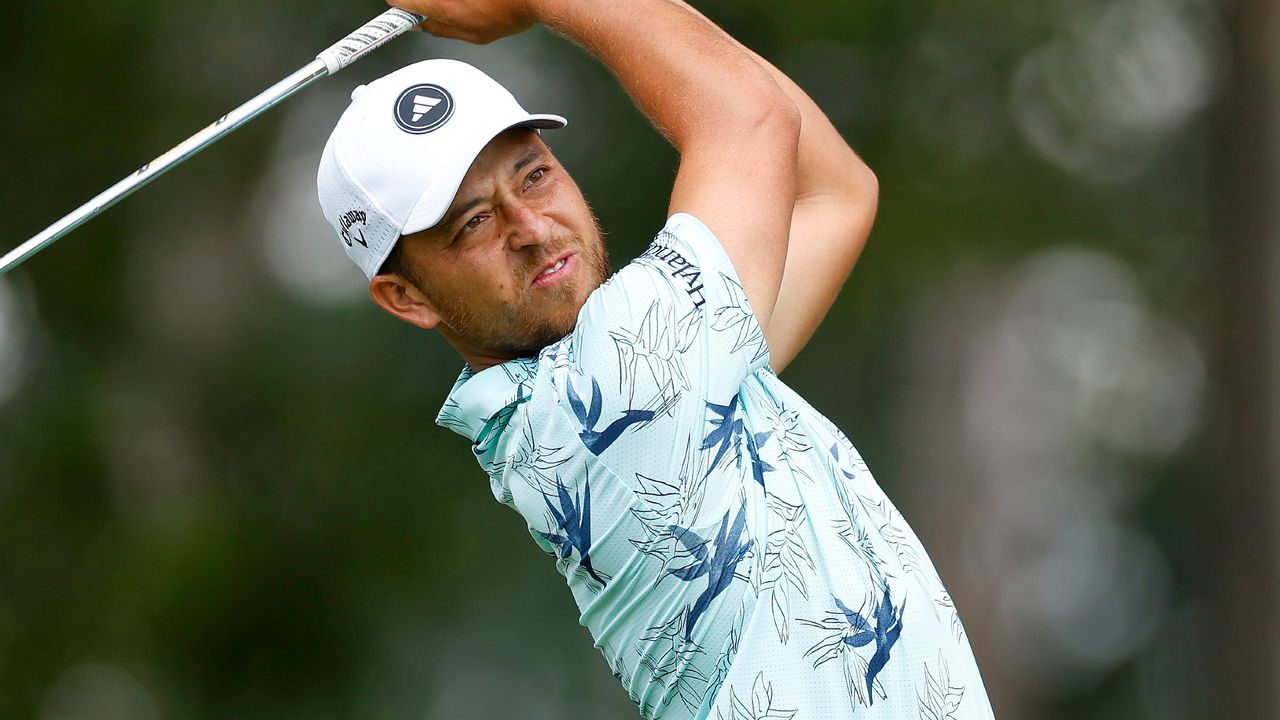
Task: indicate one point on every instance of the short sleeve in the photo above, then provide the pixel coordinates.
(669, 335)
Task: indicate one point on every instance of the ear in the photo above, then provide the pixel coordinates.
(403, 300)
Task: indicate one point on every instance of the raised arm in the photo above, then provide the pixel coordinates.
(835, 206)
(736, 130)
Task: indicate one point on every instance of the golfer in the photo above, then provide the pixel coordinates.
(729, 551)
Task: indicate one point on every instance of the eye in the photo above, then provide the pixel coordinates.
(473, 223)
(535, 177)
(468, 227)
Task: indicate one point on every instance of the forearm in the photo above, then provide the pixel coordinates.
(835, 206)
(689, 78)
(826, 165)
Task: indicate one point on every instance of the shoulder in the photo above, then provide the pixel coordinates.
(687, 251)
(685, 268)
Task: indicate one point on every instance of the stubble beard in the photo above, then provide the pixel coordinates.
(522, 329)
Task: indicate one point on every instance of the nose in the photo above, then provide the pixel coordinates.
(528, 225)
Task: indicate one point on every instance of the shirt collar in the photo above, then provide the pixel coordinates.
(478, 396)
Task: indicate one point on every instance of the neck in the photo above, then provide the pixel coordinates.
(484, 362)
(476, 357)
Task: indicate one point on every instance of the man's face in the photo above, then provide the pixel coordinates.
(516, 255)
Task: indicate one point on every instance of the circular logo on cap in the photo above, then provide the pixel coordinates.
(423, 108)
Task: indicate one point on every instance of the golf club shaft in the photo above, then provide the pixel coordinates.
(346, 51)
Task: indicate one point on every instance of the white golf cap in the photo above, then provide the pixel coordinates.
(394, 162)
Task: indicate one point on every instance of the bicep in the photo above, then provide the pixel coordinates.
(742, 187)
(827, 236)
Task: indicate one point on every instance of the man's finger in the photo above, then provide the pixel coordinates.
(414, 6)
(453, 32)
(439, 29)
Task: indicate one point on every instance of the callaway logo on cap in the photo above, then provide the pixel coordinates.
(349, 227)
(399, 152)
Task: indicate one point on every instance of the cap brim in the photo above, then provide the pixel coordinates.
(541, 122)
(437, 197)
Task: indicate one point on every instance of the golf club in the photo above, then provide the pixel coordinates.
(372, 35)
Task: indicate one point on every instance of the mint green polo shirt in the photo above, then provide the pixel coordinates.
(728, 549)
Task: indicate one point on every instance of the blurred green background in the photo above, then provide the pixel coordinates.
(222, 494)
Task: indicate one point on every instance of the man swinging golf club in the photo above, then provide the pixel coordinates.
(728, 549)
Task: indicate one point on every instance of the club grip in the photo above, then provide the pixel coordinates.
(369, 37)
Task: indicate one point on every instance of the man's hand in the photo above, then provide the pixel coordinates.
(477, 21)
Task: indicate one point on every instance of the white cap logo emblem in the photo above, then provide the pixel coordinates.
(423, 108)
(421, 104)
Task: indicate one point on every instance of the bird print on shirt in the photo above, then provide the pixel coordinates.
(597, 439)
(718, 566)
(572, 528)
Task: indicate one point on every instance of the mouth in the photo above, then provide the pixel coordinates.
(555, 271)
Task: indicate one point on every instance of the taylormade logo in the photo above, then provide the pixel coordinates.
(423, 108)
(347, 221)
(421, 104)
